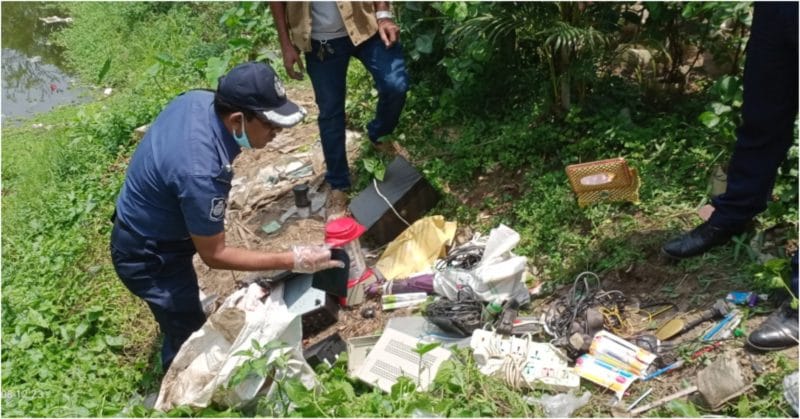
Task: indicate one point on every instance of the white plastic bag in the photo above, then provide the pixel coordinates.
(560, 405)
(204, 365)
(499, 276)
(790, 390)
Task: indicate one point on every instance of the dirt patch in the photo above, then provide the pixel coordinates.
(353, 321)
(223, 283)
(493, 191)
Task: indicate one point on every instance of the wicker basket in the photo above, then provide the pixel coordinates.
(604, 181)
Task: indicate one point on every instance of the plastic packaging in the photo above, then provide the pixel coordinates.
(613, 363)
(402, 304)
(790, 388)
(395, 301)
(725, 327)
(411, 296)
(604, 374)
(560, 405)
(621, 353)
(743, 297)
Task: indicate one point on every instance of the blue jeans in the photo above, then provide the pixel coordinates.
(329, 78)
(162, 274)
(768, 115)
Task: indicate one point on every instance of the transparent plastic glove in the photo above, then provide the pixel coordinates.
(310, 259)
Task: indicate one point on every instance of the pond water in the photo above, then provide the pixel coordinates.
(33, 75)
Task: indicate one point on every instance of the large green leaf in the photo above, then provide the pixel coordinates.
(424, 43)
(709, 119)
(103, 71)
(683, 409)
(215, 68)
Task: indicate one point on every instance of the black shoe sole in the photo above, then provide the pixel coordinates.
(673, 257)
(765, 349)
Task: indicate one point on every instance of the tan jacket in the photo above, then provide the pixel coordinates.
(358, 16)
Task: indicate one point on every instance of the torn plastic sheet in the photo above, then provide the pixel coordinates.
(560, 405)
(202, 369)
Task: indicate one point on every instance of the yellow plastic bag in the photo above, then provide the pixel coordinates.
(417, 248)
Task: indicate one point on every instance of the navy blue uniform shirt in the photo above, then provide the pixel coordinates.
(180, 175)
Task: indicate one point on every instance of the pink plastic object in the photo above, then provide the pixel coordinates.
(343, 230)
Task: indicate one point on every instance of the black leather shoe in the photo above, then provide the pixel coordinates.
(779, 331)
(698, 241)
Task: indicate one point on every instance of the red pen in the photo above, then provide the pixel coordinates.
(708, 348)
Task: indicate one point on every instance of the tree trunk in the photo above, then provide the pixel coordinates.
(565, 81)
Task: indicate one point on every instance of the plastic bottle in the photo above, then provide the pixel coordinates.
(491, 311)
(744, 297)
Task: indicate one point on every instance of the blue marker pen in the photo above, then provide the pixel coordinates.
(672, 366)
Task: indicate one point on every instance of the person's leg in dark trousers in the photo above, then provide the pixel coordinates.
(388, 69)
(179, 323)
(329, 79)
(165, 279)
(768, 115)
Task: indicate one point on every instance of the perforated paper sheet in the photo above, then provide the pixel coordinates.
(394, 357)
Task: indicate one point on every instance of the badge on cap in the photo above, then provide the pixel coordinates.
(217, 209)
(279, 90)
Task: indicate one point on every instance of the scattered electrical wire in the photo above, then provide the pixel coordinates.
(462, 316)
(571, 308)
(465, 257)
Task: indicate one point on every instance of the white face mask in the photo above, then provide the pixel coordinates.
(242, 140)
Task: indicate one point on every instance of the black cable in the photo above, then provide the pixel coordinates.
(461, 317)
(465, 257)
(563, 312)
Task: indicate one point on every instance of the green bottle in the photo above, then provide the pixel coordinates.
(491, 311)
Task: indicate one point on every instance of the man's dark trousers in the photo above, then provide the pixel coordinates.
(768, 115)
(162, 274)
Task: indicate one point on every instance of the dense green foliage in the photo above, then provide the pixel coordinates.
(504, 96)
(483, 106)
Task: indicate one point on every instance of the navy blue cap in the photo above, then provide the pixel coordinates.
(255, 86)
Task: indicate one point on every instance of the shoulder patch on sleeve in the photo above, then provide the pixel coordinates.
(217, 209)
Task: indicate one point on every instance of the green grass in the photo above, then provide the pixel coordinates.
(68, 346)
(75, 341)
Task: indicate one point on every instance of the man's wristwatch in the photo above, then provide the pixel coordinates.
(384, 14)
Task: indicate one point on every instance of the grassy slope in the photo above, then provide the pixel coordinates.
(68, 346)
(75, 341)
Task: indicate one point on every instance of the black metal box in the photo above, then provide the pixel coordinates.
(406, 190)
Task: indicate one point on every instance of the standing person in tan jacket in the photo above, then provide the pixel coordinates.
(330, 33)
